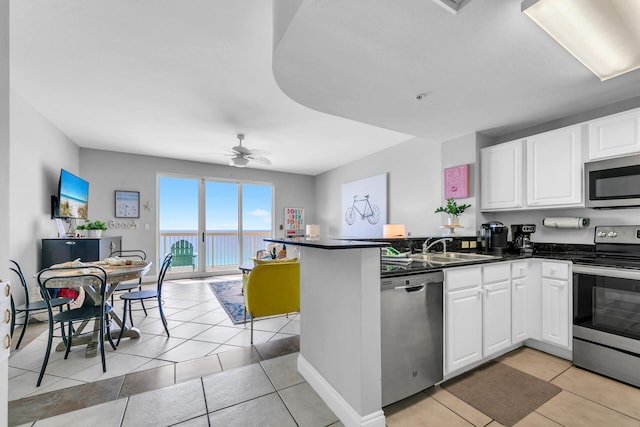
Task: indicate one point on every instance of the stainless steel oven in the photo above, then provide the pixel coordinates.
(612, 183)
(606, 305)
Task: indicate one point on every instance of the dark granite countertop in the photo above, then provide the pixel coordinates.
(324, 243)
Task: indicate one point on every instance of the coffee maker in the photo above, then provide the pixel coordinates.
(521, 235)
(493, 236)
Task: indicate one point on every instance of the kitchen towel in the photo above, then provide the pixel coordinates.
(566, 222)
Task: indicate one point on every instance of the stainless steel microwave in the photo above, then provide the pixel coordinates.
(612, 183)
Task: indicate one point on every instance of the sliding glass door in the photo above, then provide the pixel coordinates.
(224, 222)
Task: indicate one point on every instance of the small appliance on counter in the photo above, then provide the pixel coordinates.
(493, 236)
(521, 235)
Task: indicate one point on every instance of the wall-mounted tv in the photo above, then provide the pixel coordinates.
(72, 200)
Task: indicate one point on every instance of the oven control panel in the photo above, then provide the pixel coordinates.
(625, 234)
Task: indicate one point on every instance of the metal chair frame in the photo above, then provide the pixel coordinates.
(147, 294)
(121, 287)
(95, 277)
(29, 307)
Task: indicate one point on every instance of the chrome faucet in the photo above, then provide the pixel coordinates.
(426, 245)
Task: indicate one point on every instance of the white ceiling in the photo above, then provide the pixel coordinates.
(179, 79)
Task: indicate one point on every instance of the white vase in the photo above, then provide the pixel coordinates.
(453, 220)
(95, 234)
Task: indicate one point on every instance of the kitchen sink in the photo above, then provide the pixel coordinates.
(451, 257)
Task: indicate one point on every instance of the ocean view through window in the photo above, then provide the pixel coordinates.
(224, 222)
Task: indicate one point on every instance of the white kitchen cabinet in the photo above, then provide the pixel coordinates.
(615, 135)
(555, 310)
(496, 317)
(463, 336)
(520, 310)
(554, 168)
(463, 317)
(501, 176)
(477, 313)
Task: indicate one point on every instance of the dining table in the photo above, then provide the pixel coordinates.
(115, 275)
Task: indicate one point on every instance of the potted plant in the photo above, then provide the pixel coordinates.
(453, 210)
(94, 228)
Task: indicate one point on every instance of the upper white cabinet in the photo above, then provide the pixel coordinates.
(615, 135)
(501, 177)
(553, 172)
(554, 168)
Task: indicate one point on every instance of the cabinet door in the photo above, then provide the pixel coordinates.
(501, 176)
(555, 311)
(496, 314)
(554, 168)
(614, 135)
(519, 310)
(463, 330)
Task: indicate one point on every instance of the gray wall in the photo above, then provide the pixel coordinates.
(108, 171)
(414, 187)
(38, 152)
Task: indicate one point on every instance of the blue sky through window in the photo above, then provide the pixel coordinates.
(179, 205)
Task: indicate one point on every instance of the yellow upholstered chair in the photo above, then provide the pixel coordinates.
(271, 288)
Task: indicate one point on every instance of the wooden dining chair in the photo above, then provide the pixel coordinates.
(30, 307)
(135, 254)
(147, 294)
(94, 277)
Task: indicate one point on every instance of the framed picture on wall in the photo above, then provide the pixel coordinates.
(127, 204)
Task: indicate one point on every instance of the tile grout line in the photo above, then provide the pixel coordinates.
(602, 405)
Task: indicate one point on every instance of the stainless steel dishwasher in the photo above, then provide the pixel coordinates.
(411, 326)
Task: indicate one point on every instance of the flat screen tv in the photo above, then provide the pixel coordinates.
(73, 197)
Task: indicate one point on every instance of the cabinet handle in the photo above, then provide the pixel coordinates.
(70, 243)
(7, 341)
(7, 290)
(7, 316)
(479, 293)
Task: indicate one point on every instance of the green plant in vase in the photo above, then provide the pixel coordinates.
(453, 210)
(95, 228)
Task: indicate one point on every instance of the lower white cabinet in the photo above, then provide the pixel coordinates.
(490, 308)
(496, 317)
(519, 310)
(477, 313)
(555, 308)
(463, 337)
(555, 311)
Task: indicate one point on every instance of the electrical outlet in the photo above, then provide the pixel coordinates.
(465, 244)
(473, 245)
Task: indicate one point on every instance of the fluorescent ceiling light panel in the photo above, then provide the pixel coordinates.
(602, 34)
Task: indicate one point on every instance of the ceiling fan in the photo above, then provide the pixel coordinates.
(241, 156)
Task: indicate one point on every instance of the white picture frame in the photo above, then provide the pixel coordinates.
(364, 207)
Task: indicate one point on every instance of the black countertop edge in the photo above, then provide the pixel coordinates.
(328, 243)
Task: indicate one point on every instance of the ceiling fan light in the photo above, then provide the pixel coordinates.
(239, 161)
(602, 34)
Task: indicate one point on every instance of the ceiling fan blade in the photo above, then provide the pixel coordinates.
(262, 160)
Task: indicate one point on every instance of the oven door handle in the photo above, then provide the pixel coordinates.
(621, 273)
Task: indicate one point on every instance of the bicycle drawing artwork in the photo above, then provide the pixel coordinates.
(363, 209)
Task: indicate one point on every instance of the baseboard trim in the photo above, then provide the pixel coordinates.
(347, 415)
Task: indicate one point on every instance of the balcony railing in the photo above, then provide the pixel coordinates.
(221, 247)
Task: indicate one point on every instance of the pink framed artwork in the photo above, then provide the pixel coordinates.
(456, 182)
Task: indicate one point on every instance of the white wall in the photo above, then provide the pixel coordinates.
(5, 173)
(38, 152)
(108, 171)
(414, 187)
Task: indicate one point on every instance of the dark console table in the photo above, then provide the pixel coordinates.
(59, 250)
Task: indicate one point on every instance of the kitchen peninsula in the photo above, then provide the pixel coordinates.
(340, 349)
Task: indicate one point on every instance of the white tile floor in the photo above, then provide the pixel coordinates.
(198, 325)
(269, 393)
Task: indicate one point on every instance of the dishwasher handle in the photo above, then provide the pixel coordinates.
(412, 288)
